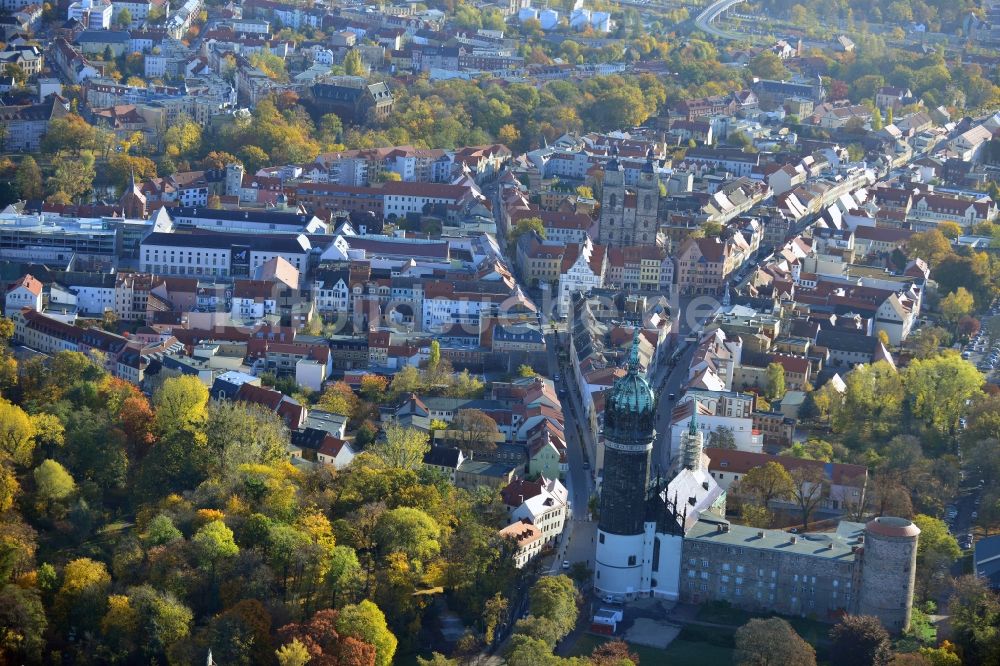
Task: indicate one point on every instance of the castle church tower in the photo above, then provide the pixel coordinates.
(628, 430)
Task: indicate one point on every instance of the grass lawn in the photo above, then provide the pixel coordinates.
(681, 651)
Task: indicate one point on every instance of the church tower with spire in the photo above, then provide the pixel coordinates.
(692, 442)
(621, 531)
(133, 202)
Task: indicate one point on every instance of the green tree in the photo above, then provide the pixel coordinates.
(526, 225)
(937, 388)
(243, 433)
(957, 304)
(476, 430)
(860, 639)
(161, 530)
(771, 642)
(53, 482)
(338, 398)
(774, 388)
(180, 403)
(722, 437)
(271, 64)
(182, 140)
(975, 616)
(768, 65)
(28, 179)
(365, 622)
(406, 380)
(72, 176)
(293, 653)
(214, 543)
(352, 63)
(124, 19)
(931, 246)
(809, 487)
(401, 447)
(937, 549)
(554, 598)
(877, 123)
(767, 482)
(71, 133)
(17, 434)
(22, 625)
(410, 531)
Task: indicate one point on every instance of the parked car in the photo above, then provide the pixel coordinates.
(565, 564)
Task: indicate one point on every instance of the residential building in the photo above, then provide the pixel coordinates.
(527, 539)
(543, 502)
(25, 292)
(25, 125)
(843, 486)
(583, 268)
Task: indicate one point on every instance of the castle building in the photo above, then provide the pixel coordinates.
(629, 216)
(671, 540)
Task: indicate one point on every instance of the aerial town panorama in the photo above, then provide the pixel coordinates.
(500, 332)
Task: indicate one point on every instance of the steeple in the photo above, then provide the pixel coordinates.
(633, 356)
(692, 442)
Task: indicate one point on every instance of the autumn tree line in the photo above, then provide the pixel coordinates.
(138, 529)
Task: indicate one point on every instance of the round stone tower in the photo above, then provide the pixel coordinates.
(628, 440)
(888, 567)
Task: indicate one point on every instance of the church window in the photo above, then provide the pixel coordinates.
(656, 554)
(613, 201)
(631, 560)
(602, 538)
(647, 202)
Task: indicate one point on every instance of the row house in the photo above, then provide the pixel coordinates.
(24, 126)
(692, 412)
(483, 163)
(705, 264)
(310, 364)
(843, 484)
(401, 199)
(336, 198)
(640, 267)
(540, 261)
(29, 58)
(935, 208)
(49, 335)
(583, 268)
(733, 160)
(74, 66)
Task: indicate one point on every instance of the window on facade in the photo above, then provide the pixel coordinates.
(631, 560)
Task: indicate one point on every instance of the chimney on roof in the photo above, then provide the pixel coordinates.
(704, 484)
(793, 539)
(760, 534)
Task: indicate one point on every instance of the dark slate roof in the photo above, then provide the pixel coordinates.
(847, 341)
(987, 560)
(263, 216)
(442, 456)
(103, 36)
(225, 241)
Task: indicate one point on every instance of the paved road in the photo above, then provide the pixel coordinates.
(576, 541)
(704, 20)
